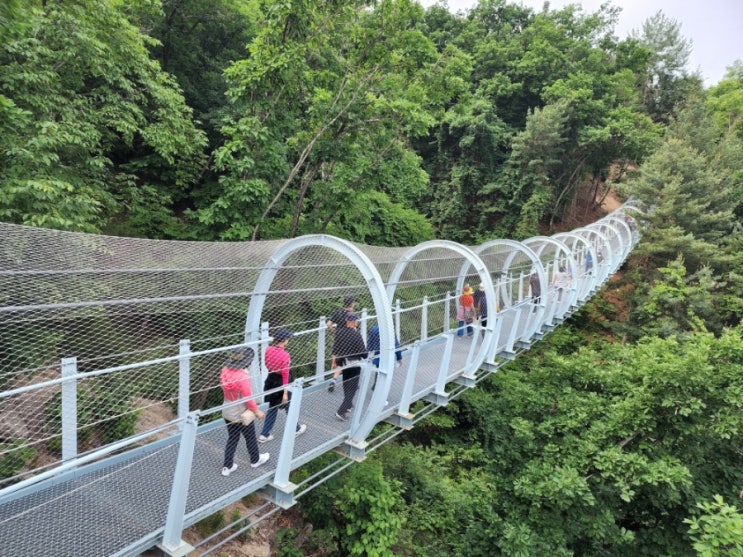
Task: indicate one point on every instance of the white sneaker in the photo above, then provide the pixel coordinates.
(264, 439)
(261, 460)
(301, 430)
(227, 471)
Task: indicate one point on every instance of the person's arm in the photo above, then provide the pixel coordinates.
(245, 391)
(285, 365)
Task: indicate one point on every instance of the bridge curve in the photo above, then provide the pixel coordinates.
(99, 331)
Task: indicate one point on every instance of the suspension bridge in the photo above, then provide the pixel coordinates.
(111, 437)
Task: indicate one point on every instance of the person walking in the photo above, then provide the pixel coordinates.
(374, 346)
(536, 290)
(337, 318)
(348, 349)
(481, 307)
(561, 281)
(466, 311)
(589, 263)
(235, 383)
(278, 363)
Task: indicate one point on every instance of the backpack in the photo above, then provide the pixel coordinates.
(469, 314)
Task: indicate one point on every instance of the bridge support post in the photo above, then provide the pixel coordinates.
(439, 396)
(282, 496)
(403, 410)
(69, 409)
(424, 319)
(320, 362)
(184, 377)
(173, 544)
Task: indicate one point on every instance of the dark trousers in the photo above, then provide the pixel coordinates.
(275, 402)
(350, 386)
(234, 431)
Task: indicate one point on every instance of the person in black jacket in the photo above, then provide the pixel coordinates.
(348, 348)
(338, 316)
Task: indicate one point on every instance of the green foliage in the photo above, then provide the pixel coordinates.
(666, 80)
(103, 415)
(358, 513)
(718, 530)
(242, 526)
(285, 543)
(677, 304)
(91, 120)
(582, 448)
(367, 508)
(16, 455)
(211, 524)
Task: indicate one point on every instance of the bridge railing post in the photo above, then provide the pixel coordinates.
(364, 322)
(471, 351)
(260, 357)
(320, 363)
(367, 371)
(283, 466)
(407, 389)
(69, 408)
(439, 390)
(173, 543)
(398, 313)
(184, 378)
(447, 312)
(521, 286)
(424, 319)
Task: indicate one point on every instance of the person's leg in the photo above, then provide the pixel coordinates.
(286, 409)
(376, 372)
(460, 329)
(350, 384)
(353, 383)
(233, 436)
(347, 396)
(248, 431)
(269, 421)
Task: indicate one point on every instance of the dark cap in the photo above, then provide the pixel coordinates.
(282, 334)
(351, 316)
(348, 300)
(240, 358)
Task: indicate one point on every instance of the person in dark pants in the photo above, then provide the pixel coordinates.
(278, 361)
(481, 307)
(337, 318)
(235, 383)
(536, 290)
(373, 344)
(348, 348)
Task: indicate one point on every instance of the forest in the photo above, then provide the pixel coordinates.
(381, 122)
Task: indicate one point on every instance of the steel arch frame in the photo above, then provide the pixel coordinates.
(533, 257)
(587, 284)
(378, 292)
(473, 261)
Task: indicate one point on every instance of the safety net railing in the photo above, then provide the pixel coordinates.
(111, 343)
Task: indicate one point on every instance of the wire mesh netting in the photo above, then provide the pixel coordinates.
(108, 343)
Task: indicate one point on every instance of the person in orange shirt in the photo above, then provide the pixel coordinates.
(466, 311)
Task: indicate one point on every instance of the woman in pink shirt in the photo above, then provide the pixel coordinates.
(278, 361)
(235, 383)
